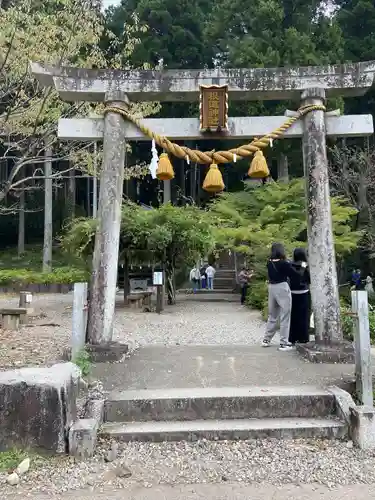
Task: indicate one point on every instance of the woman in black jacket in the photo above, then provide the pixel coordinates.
(300, 288)
(280, 272)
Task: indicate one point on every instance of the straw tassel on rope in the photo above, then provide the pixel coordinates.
(258, 166)
(165, 170)
(213, 182)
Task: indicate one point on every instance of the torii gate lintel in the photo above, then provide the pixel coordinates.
(244, 84)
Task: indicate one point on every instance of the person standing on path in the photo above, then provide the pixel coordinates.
(195, 277)
(356, 279)
(369, 285)
(210, 273)
(243, 279)
(300, 289)
(279, 297)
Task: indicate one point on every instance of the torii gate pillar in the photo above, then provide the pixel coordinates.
(105, 260)
(322, 261)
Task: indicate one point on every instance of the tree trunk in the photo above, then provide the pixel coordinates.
(167, 192)
(170, 282)
(126, 279)
(282, 168)
(21, 225)
(88, 196)
(94, 197)
(95, 182)
(72, 193)
(48, 194)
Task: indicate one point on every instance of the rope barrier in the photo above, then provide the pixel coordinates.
(217, 157)
(213, 181)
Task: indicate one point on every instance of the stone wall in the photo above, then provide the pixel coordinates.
(38, 406)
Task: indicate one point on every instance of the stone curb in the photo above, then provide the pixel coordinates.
(317, 353)
(84, 432)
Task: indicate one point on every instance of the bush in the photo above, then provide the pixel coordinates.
(83, 361)
(62, 275)
(257, 295)
(348, 323)
(345, 294)
(265, 312)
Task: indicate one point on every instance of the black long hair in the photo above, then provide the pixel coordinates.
(277, 252)
(299, 255)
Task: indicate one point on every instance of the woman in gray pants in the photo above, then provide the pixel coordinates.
(279, 297)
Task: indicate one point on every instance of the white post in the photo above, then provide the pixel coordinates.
(363, 372)
(79, 323)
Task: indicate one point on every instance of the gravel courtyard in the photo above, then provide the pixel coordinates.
(151, 465)
(188, 323)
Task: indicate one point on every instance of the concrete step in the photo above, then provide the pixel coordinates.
(286, 428)
(219, 403)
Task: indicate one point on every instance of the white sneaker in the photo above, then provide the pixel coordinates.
(286, 347)
(266, 343)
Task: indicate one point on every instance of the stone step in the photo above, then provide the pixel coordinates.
(204, 291)
(224, 281)
(219, 403)
(281, 428)
(224, 284)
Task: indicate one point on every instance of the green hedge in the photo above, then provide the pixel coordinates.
(348, 321)
(257, 295)
(60, 276)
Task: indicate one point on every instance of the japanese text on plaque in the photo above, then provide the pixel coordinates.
(213, 109)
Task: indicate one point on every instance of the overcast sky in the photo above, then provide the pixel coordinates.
(107, 3)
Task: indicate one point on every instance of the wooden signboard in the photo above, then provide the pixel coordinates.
(213, 108)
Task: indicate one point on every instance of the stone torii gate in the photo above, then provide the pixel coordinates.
(310, 85)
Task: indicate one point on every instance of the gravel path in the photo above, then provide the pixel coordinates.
(192, 322)
(43, 341)
(148, 465)
(187, 323)
(225, 491)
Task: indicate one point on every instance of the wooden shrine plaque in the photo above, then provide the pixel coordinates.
(213, 107)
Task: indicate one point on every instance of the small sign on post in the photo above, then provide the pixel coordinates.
(213, 107)
(363, 372)
(25, 302)
(157, 280)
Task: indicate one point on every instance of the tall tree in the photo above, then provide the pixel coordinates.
(270, 33)
(55, 32)
(175, 31)
(357, 21)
